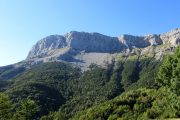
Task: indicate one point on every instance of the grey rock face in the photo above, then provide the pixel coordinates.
(47, 44)
(172, 37)
(153, 39)
(140, 41)
(93, 42)
(133, 41)
(79, 41)
(80, 47)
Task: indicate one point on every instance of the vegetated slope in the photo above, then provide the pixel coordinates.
(45, 84)
(7, 73)
(143, 103)
(137, 104)
(10, 71)
(98, 84)
(61, 86)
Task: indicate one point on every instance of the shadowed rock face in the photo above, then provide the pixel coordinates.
(76, 46)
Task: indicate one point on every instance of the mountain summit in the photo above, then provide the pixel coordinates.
(82, 48)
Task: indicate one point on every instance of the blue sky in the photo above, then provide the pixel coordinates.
(24, 22)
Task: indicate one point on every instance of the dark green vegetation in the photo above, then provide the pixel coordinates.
(135, 88)
(144, 103)
(137, 104)
(10, 71)
(24, 110)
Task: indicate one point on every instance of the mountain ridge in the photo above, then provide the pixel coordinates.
(79, 47)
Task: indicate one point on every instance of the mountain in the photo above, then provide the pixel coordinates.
(91, 76)
(82, 48)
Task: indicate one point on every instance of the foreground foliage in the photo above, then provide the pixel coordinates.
(25, 110)
(136, 104)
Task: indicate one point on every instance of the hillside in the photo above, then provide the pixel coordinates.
(160, 103)
(59, 85)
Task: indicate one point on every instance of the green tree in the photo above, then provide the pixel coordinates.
(26, 110)
(54, 116)
(169, 72)
(6, 107)
(166, 105)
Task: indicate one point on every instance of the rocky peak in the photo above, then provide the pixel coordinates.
(85, 48)
(153, 39)
(131, 41)
(47, 44)
(172, 37)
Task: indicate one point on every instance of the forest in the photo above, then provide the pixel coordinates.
(136, 89)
